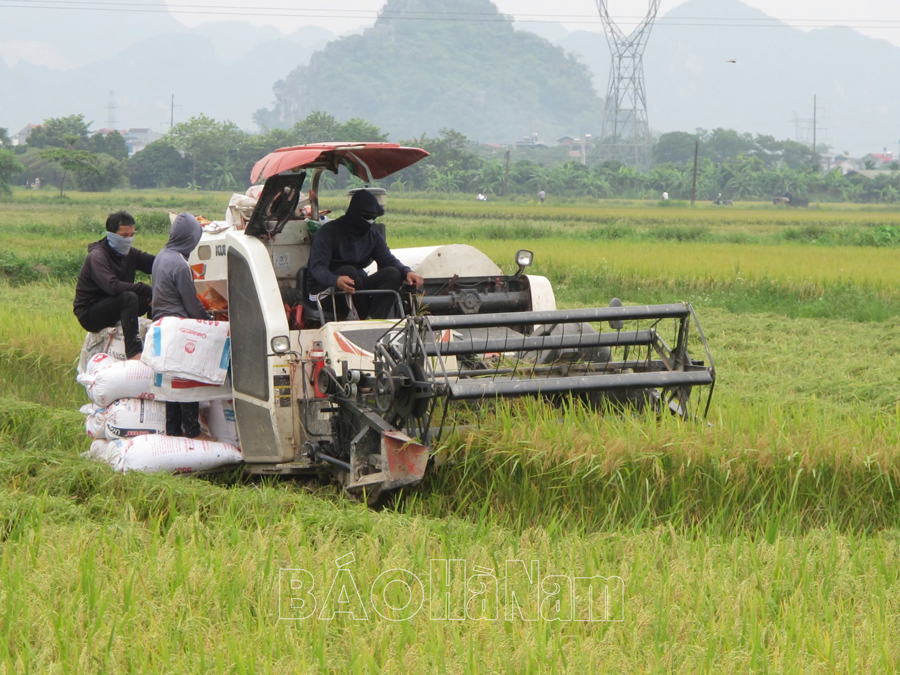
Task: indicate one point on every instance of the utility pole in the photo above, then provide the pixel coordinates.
(696, 157)
(814, 122)
(172, 113)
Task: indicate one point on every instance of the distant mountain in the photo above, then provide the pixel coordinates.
(223, 69)
(486, 79)
(779, 69)
(69, 38)
(496, 81)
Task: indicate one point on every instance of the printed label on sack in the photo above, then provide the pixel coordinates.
(157, 341)
(226, 355)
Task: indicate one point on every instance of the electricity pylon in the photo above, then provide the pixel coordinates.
(626, 130)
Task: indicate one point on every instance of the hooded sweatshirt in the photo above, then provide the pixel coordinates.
(174, 293)
(106, 274)
(350, 240)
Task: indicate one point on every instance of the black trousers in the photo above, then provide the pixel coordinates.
(381, 306)
(183, 419)
(125, 307)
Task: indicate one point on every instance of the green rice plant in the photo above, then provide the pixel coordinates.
(39, 378)
(682, 233)
(163, 573)
(764, 542)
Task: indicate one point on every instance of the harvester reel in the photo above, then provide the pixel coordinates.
(406, 405)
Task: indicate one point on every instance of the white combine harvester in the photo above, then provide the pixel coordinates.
(360, 401)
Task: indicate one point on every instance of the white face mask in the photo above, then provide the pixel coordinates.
(118, 243)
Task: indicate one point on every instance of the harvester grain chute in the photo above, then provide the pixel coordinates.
(360, 401)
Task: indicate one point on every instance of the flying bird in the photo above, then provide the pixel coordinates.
(731, 61)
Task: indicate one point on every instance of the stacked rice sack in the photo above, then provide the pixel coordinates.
(110, 341)
(183, 360)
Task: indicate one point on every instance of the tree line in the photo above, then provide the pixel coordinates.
(208, 154)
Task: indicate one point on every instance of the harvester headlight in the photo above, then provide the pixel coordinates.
(281, 344)
(524, 259)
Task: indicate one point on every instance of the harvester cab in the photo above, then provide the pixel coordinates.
(360, 401)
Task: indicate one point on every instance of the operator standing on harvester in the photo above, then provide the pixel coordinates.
(344, 247)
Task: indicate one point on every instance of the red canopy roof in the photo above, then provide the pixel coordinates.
(367, 161)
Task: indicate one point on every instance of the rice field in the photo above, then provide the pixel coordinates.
(766, 541)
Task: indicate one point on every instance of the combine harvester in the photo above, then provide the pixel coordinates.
(360, 401)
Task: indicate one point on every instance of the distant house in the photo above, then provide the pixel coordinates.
(138, 139)
(135, 139)
(21, 138)
(530, 142)
(827, 162)
(878, 161)
(844, 164)
(576, 146)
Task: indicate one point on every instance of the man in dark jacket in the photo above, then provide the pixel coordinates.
(106, 292)
(343, 248)
(174, 294)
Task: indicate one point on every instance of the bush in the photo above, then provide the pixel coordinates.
(17, 270)
(692, 233)
(9, 167)
(109, 174)
(152, 222)
(36, 166)
(809, 233)
(159, 165)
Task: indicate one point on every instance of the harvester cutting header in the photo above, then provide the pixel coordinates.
(317, 390)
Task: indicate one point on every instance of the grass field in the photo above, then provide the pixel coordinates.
(767, 541)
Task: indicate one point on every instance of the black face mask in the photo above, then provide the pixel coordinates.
(359, 225)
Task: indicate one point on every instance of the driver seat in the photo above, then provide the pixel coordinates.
(311, 316)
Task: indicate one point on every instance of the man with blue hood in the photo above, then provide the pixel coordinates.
(344, 247)
(106, 292)
(174, 294)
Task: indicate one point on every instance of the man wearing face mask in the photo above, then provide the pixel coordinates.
(344, 247)
(106, 292)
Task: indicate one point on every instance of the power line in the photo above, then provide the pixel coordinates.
(500, 16)
(481, 17)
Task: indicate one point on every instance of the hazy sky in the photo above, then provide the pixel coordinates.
(878, 18)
